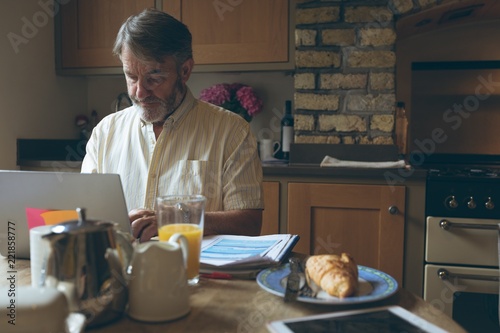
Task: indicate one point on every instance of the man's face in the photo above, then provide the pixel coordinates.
(155, 88)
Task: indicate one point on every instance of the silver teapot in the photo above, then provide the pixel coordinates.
(87, 261)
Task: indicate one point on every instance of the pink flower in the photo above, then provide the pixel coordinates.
(217, 94)
(249, 101)
(236, 97)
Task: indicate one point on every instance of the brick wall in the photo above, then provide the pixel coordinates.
(345, 69)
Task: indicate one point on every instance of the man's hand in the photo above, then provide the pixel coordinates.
(143, 222)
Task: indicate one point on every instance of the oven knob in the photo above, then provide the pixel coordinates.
(489, 204)
(453, 203)
(471, 203)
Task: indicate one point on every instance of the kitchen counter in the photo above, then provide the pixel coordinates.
(67, 155)
(269, 170)
(314, 170)
(240, 306)
(50, 166)
(305, 160)
(59, 155)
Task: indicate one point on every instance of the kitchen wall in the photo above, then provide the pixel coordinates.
(345, 69)
(35, 103)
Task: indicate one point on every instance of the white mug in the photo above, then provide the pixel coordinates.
(39, 251)
(268, 148)
(158, 283)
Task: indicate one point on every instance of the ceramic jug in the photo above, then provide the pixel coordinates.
(158, 289)
(87, 260)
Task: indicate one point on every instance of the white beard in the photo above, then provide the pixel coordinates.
(154, 115)
(165, 107)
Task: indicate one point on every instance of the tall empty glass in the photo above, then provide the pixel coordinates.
(183, 214)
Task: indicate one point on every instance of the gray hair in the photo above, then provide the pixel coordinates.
(153, 35)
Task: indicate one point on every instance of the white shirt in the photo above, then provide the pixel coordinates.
(202, 149)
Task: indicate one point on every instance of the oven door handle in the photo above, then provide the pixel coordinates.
(446, 225)
(445, 275)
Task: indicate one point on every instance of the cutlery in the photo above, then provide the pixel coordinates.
(308, 287)
(293, 281)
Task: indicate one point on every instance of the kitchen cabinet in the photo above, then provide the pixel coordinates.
(270, 215)
(367, 221)
(235, 32)
(227, 35)
(88, 30)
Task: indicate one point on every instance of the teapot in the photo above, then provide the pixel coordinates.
(87, 260)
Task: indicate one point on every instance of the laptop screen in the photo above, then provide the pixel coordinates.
(30, 195)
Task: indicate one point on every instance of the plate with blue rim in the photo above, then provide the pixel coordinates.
(373, 285)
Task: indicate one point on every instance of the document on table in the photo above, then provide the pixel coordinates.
(228, 252)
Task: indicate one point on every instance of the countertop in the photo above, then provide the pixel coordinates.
(239, 306)
(59, 155)
(316, 170)
(305, 159)
(271, 170)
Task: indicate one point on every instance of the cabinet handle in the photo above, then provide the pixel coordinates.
(446, 225)
(393, 210)
(443, 274)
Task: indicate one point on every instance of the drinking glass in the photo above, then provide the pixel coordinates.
(184, 214)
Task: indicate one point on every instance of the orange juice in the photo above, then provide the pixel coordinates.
(193, 234)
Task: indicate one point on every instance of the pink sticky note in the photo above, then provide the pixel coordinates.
(37, 217)
(34, 218)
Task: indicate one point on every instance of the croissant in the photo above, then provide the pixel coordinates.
(335, 274)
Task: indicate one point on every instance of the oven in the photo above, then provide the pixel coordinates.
(461, 275)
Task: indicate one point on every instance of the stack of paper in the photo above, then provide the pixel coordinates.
(244, 254)
(329, 161)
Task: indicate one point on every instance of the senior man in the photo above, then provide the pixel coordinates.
(168, 142)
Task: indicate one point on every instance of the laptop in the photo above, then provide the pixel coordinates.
(22, 191)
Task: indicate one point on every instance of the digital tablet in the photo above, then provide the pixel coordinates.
(388, 319)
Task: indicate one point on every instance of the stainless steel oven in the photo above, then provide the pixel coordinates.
(461, 253)
(454, 121)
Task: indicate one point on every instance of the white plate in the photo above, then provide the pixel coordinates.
(373, 285)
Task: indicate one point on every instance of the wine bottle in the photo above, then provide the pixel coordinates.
(286, 131)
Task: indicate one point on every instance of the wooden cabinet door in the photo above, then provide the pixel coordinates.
(335, 218)
(270, 215)
(235, 32)
(89, 28)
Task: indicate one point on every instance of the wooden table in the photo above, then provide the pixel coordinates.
(241, 306)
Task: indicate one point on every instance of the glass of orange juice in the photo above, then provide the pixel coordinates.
(183, 214)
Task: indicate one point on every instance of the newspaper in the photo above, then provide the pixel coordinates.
(229, 253)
